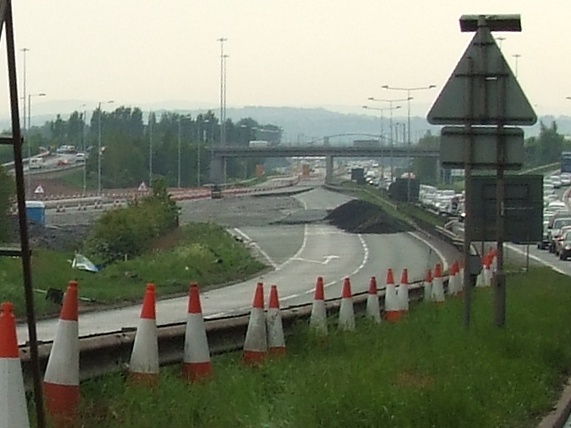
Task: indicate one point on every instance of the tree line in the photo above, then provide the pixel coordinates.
(130, 143)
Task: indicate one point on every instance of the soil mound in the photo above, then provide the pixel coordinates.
(358, 216)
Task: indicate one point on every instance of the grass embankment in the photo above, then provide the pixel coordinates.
(204, 253)
(426, 371)
(408, 213)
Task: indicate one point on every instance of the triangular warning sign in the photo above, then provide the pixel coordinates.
(482, 89)
(39, 190)
(142, 187)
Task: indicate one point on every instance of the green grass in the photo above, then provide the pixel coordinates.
(199, 252)
(427, 371)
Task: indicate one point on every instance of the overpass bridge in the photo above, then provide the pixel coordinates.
(222, 153)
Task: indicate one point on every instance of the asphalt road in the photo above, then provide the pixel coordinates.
(299, 252)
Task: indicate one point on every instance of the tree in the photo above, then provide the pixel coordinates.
(425, 168)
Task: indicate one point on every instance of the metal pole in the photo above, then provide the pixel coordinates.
(392, 139)
(29, 191)
(178, 170)
(22, 217)
(150, 124)
(84, 130)
(500, 277)
(99, 152)
(408, 146)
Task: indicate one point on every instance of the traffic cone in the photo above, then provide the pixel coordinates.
(402, 292)
(61, 380)
(144, 364)
(256, 342)
(453, 287)
(460, 277)
(318, 318)
(346, 313)
(428, 286)
(373, 310)
(488, 270)
(437, 285)
(196, 364)
(276, 339)
(13, 410)
(392, 304)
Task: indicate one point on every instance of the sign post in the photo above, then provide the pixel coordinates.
(483, 95)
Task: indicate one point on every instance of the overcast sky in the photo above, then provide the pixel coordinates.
(306, 53)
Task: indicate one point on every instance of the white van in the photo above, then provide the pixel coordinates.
(35, 163)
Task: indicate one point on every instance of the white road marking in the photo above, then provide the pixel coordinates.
(258, 248)
(537, 259)
(326, 260)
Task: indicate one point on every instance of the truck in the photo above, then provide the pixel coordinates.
(258, 143)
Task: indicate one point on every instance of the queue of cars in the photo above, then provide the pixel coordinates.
(556, 218)
(442, 202)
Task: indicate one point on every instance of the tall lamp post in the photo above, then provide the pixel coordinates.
(391, 108)
(178, 158)
(382, 110)
(150, 125)
(99, 146)
(517, 57)
(28, 142)
(409, 98)
(83, 141)
(25, 51)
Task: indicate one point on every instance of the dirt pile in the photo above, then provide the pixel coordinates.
(58, 238)
(358, 216)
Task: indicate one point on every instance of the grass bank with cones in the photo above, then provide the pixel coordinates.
(424, 370)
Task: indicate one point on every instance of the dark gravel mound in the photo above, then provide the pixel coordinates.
(358, 216)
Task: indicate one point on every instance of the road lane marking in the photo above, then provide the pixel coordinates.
(537, 259)
(257, 247)
(433, 248)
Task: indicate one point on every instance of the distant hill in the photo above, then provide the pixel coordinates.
(298, 124)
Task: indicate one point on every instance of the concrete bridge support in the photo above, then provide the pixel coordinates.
(216, 170)
(328, 169)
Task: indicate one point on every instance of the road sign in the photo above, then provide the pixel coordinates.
(142, 187)
(484, 150)
(523, 208)
(475, 91)
(39, 190)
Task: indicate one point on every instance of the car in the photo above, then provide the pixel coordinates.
(565, 246)
(559, 241)
(565, 179)
(544, 243)
(80, 157)
(215, 192)
(555, 231)
(556, 181)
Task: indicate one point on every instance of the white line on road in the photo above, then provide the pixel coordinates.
(433, 248)
(258, 248)
(537, 259)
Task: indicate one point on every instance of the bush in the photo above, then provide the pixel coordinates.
(129, 231)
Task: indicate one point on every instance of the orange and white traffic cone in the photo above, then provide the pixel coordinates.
(392, 304)
(488, 270)
(453, 286)
(144, 364)
(276, 339)
(318, 318)
(256, 342)
(61, 380)
(196, 364)
(373, 310)
(402, 292)
(13, 410)
(437, 285)
(346, 312)
(428, 286)
(460, 277)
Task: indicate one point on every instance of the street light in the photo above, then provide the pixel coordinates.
(391, 108)
(382, 110)
(25, 51)
(178, 161)
(99, 147)
(28, 142)
(83, 128)
(408, 91)
(150, 125)
(517, 57)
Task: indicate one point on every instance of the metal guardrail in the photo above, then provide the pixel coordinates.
(110, 352)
